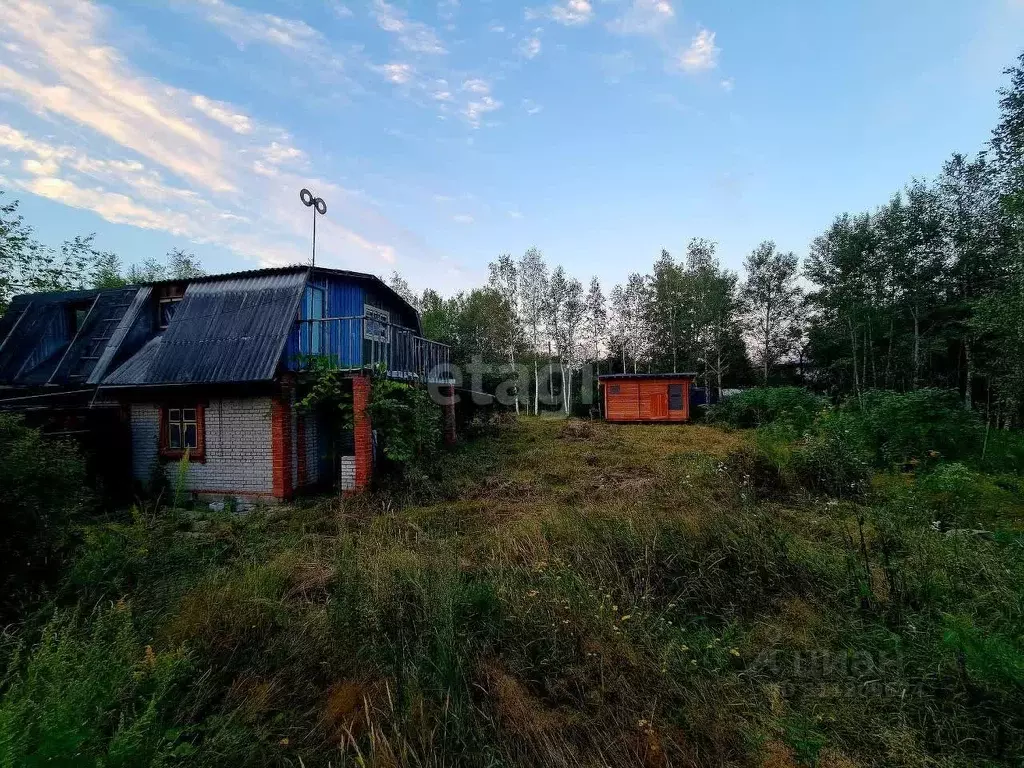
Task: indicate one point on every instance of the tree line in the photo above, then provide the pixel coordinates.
(925, 290)
(29, 266)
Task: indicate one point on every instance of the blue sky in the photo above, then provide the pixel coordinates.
(443, 133)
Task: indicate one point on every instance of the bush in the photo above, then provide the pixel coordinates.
(90, 693)
(407, 421)
(794, 406)
(916, 428)
(41, 483)
(832, 460)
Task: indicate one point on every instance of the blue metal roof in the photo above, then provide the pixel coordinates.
(223, 330)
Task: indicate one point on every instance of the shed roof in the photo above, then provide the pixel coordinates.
(623, 376)
(224, 330)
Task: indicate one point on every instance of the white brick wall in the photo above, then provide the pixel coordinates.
(312, 449)
(348, 473)
(238, 449)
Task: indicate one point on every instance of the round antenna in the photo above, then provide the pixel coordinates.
(306, 197)
(321, 206)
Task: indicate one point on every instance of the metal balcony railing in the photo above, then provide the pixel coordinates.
(363, 343)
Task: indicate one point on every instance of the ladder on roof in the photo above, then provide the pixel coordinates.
(14, 327)
(96, 343)
(106, 327)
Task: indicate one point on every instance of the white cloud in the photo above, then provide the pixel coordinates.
(112, 206)
(530, 47)
(572, 12)
(440, 90)
(702, 54)
(139, 152)
(476, 110)
(476, 85)
(531, 107)
(293, 37)
(644, 17)
(244, 26)
(515, 214)
(340, 10)
(279, 154)
(65, 73)
(414, 36)
(397, 72)
(728, 84)
(462, 218)
(480, 103)
(496, 28)
(223, 113)
(46, 167)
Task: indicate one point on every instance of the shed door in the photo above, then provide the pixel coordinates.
(675, 397)
(658, 405)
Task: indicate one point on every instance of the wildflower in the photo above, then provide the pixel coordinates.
(684, 648)
(734, 651)
(532, 593)
(627, 617)
(150, 657)
(284, 742)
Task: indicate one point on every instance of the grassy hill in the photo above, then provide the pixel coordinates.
(571, 594)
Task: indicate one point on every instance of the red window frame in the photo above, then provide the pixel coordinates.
(167, 453)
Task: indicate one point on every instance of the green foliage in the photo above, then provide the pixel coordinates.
(90, 692)
(832, 460)
(41, 489)
(407, 421)
(919, 427)
(181, 480)
(328, 392)
(793, 406)
(28, 266)
(617, 596)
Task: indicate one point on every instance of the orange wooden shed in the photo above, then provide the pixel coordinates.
(646, 396)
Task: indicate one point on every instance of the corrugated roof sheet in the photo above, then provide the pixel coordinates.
(224, 330)
(38, 344)
(139, 305)
(91, 340)
(136, 368)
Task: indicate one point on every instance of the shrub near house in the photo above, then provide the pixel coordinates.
(41, 489)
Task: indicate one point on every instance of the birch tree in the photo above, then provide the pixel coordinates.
(772, 302)
(504, 280)
(595, 322)
(533, 291)
(573, 314)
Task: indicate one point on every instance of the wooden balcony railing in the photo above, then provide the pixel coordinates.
(363, 343)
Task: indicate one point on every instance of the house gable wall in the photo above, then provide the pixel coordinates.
(238, 456)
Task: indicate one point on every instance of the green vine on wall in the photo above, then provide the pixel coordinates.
(407, 422)
(326, 395)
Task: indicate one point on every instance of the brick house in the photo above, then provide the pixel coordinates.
(214, 366)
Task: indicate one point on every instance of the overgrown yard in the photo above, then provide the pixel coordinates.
(574, 593)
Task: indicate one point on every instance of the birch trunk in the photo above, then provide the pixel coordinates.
(969, 384)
